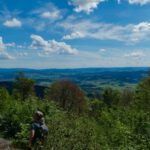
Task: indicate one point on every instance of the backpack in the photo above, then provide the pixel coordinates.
(43, 132)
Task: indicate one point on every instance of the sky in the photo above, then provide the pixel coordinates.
(74, 33)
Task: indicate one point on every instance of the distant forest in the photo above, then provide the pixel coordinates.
(91, 80)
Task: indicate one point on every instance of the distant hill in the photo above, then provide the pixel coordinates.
(10, 74)
(90, 79)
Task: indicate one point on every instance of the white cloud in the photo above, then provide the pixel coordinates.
(21, 54)
(138, 2)
(85, 5)
(44, 17)
(48, 11)
(102, 50)
(142, 27)
(3, 53)
(38, 41)
(135, 54)
(11, 44)
(141, 2)
(5, 56)
(74, 35)
(51, 46)
(130, 33)
(13, 23)
(50, 15)
(21, 46)
(2, 45)
(139, 32)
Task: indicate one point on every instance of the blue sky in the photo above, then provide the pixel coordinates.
(74, 33)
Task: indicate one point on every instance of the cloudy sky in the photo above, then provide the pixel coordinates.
(74, 33)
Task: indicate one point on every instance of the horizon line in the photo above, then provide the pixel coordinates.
(69, 68)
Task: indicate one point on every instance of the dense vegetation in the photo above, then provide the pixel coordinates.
(116, 120)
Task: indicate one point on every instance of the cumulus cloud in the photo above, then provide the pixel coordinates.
(88, 6)
(130, 33)
(139, 31)
(51, 46)
(38, 41)
(85, 5)
(141, 2)
(13, 23)
(135, 54)
(143, 26)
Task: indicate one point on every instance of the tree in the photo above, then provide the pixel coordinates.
(142, 99)
(4, 95)
(95, 108)
(24, 87)
(68, 95)
(127, 97)
(111, 96)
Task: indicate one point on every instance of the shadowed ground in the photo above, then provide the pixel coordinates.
(6, 145)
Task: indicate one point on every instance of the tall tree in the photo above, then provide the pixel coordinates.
(68, 95)
(24, 87)
(142, 99)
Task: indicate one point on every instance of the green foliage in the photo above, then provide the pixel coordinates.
(95, 108)
(4, 95)
(69, 132)
(127, 96)
(104, 125)
(142, 100)
(111, 96)
(23, 134)
(24, 87)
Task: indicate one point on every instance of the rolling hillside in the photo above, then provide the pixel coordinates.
(90, 79)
